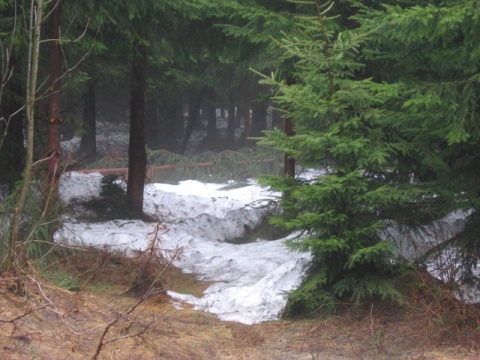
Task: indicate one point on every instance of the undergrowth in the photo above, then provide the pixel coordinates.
(445, 319)
(444, 316)
(82, 269)
(112, 202)
(77, 268)
(36, 226)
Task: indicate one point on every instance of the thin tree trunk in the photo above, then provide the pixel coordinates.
(288, 124)
(12, 150)
(54, 115)
(152, 121)
(88, 143)
(36, 18)
(289, 161)
(259, 114)
(231, 119)
(137, 157)
(246, 100)
(211, 119)
(194, 104)
(289, 131)
(163, 120)
(171, 118)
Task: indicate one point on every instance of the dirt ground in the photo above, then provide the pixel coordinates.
(40, 320)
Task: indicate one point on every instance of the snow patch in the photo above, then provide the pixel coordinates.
(249, 280)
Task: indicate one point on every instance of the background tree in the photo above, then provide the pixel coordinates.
(88, 143)
(140, 19)
(12, 96)
(137, 157)
(253, 25)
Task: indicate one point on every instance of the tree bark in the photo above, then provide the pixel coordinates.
(289, 131)
(259, 115)
(244, 111)
(88, 143)
(211, 113)
(163, 120)
(12, 149)
(231, 119)
(137, 157)
(36, 18)
(289, 169)
(54, 113)
(152, 122)
(194, 104)
(171, 120)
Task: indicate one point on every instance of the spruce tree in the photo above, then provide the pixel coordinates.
(389, 110)
(339, 124)
(430, 51)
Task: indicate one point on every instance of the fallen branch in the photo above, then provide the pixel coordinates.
(158, 168)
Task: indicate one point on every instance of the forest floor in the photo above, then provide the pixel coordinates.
(41, 319)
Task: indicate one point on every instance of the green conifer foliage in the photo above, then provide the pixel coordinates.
(432, 53)
(339, 124)
(389, 110)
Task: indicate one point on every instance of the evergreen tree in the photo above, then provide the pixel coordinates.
(389, 110)
(339, 125)
(431, 52)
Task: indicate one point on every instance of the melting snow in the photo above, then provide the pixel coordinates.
(249, 280)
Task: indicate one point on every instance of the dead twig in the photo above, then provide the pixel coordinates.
(13, 320)
(354, 350)
(372, 323)
(153, 254)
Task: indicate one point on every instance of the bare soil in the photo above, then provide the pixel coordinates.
(40, 320)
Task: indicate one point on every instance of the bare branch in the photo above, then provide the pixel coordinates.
(29, 311)
(13, 320)
(153, 250)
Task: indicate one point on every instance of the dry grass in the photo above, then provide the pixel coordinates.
(41, 320)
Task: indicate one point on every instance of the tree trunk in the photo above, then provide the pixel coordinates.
(137, 157)
(152, 125)
(245, 102)
(231, 119)
(259, 114)
(54, 114)
(194, 104)
(50, 195)
(163, 121)
(211, 113)
(88, 143)
(289, 161)
(171, 117)
(288, 124)
(12, 149)
(36, 18)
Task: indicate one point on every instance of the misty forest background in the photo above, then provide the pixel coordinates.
(383, 96)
